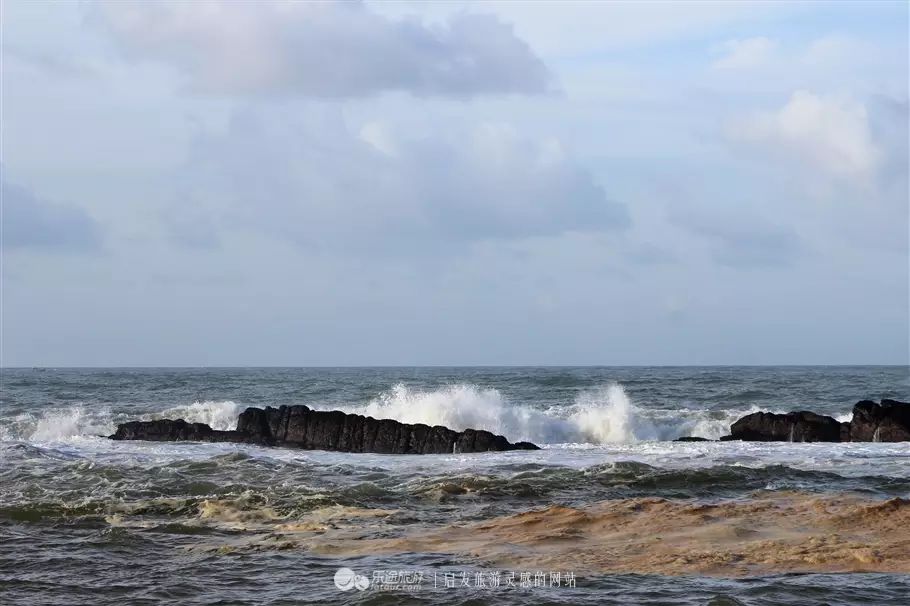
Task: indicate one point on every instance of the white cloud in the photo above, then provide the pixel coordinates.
(746, 53)
(377, 134)
(581, 28)
(828, 133)
(325, 49)
(325, 184)
(838, 50)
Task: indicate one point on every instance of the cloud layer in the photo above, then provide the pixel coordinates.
(391, 183)
(738, 239)
(825, 132)
(745, 53)
(325, 49)
(35, 224)
(323, 183)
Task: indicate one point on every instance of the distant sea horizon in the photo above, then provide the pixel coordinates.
(355, 366)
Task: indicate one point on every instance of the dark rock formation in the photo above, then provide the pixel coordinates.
(871, 422)
(885, 422)
(802, 426)
(845, 431)
(166, 430)
(691, 439)
(302, 427)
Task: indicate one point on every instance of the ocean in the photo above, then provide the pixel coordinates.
(591, 518)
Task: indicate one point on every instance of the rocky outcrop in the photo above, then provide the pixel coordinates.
(167, 430)
(302, 427)
(802, 426)
(871, 422)
(885, 422)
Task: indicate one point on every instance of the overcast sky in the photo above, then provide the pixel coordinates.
(455, 183)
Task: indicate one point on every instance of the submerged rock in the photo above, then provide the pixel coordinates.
(692, 439)
(802, 426)
(301, 427)
(885, 422)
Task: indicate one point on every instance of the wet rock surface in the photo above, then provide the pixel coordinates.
(888, 421)
(885, 422)
(302, 427)
(802, 426)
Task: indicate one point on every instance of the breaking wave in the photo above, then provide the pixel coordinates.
(603, 415)
(597, 416)
(59, 424)
(218, 414)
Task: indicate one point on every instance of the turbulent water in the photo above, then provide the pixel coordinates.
(85, 519)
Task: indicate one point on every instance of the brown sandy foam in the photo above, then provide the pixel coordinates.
(783, 532)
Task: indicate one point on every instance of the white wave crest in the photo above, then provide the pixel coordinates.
(604, 415)
(218, 414)
(81, 421)
(460, 407)
(599, 416)
(66, 423)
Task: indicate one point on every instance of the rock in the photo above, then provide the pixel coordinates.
(167, 430)
(845, 431)
(301, 427)
(692, 439)
(802, 426)
(885, 422)
(525, 446)
(871, 422)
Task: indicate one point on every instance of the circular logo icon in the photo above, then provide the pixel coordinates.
(345, 579)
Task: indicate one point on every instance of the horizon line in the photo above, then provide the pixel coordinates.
(392, 366)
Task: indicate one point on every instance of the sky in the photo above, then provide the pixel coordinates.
(454, 183)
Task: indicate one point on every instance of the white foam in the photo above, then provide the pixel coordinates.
(79, 421)
(844, 418)
(65, 423)
(606, 416)
(599, 416)
(72, 431)
(603, 415)
(466, 406)
(218, 414)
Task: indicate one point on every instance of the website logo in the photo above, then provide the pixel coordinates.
(346, 579)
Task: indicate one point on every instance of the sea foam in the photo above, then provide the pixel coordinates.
(79, 421)
(218, 414)
(603, 415)
(598, 416)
